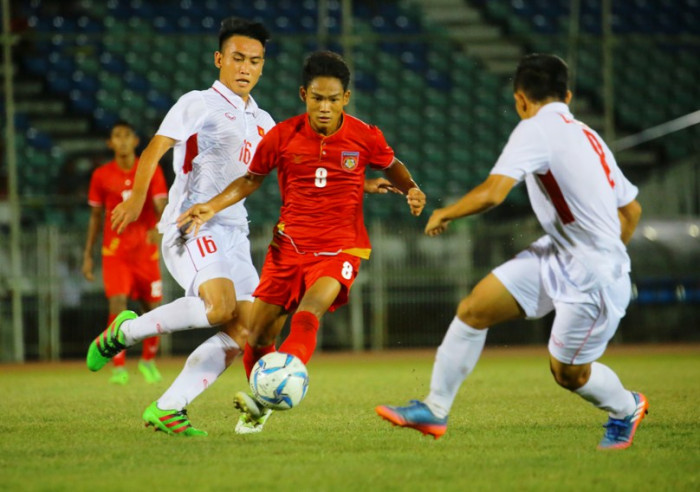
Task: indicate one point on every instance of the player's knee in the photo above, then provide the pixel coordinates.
(223, 311)
(237, 331)
(473, 314)
(570, 377)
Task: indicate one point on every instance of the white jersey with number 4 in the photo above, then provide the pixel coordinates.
(575, 188)
(216, 134)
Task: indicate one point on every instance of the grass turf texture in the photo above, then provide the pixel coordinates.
(512, 428)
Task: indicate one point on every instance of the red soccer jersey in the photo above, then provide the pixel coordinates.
(321, 180)
(109, 186)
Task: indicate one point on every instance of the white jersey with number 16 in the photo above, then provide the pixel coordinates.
(216, 134)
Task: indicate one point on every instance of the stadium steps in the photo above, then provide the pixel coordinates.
(52, 115)
(486, 42)
(24, 89)
(83, 144)
(477, 37)
(40, 107)
(62, 125)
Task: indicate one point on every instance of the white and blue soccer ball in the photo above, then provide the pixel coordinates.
(279, 381)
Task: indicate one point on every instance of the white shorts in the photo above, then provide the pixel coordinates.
(217, 251)
(581, 329)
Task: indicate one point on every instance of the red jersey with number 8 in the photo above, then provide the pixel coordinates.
(321, 180)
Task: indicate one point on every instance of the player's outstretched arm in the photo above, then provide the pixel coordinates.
(380, 186)
(130, 209)
(485, 196)
(94, 227)
(194, 217)
(629, 218)
(398, 174)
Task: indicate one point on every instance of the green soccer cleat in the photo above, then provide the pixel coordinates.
(172, 422)
(119, 376)
(149, 371)
(253, 416)
(109, 343)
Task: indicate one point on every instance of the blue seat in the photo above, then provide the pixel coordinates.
(83, 102)
(104, 120)
(38, 139)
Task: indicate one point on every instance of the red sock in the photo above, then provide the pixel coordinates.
(150, 347)
(119, 360)
(302, 336)
(252, 354)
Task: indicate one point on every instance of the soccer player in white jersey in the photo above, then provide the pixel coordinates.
(579, 268)
(214, 133)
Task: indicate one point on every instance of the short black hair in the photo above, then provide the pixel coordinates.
(541, 76)
(232, 26)
(325, 64)
(125, 124)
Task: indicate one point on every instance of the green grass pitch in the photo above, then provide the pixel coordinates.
(511, 428)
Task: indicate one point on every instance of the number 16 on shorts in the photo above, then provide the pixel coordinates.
(203, 251)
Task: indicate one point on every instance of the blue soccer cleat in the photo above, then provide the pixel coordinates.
(620, 432)
(417, 416)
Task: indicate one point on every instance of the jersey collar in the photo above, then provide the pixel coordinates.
(555, 107)
(235, 100)
(313, 133)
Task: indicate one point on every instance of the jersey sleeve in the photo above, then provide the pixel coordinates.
(267, 154)
(526, 152)
(625, 191)
(158, 187)
(382, 154)
(185, 118)
(96, 196)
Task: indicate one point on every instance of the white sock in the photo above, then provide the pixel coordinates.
(454, 361)
(202, 368)
(181, 314)
(605, 391)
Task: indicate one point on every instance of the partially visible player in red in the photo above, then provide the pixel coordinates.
(130, 264)
(321, 157)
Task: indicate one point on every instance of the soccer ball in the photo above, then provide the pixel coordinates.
(279, 381)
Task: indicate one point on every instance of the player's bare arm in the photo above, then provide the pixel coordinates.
(401, 178)
(194, 217)
(483, 197)
(130, 209)
(629, 218)
(158, 205)
(380, 185)
(94, 227)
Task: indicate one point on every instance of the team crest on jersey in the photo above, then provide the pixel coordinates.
(261, 131)
(349, 160)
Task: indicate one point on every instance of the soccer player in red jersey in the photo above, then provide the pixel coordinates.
(130, 263)
(321, 157)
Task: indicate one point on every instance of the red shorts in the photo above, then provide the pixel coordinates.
(138, 277)
(286, 275)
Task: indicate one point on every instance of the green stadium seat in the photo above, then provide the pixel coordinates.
(87, 63)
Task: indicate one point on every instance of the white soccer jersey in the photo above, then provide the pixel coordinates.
(217, 134)
(575, 188)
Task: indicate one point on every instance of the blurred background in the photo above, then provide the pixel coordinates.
(434, 75)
